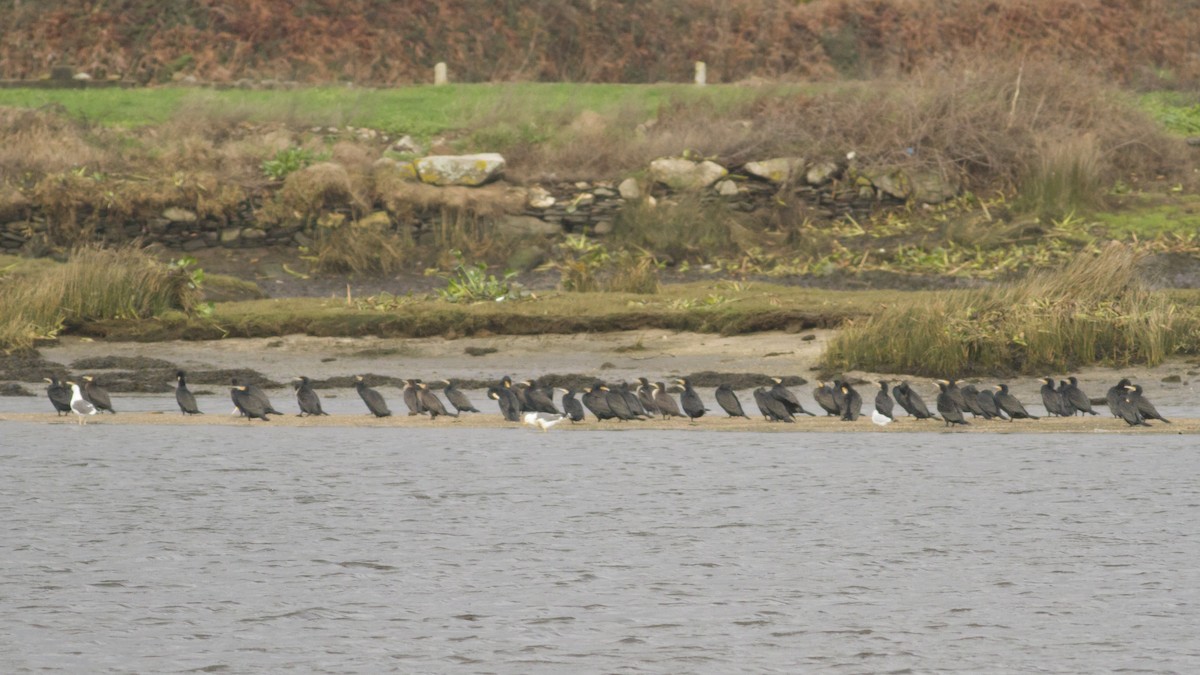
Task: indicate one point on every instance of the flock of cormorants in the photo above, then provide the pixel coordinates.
(533, 404)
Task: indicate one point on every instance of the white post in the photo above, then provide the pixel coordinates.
(701, 74)
(439, 73)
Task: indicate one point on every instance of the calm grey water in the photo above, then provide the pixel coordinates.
(226, 549)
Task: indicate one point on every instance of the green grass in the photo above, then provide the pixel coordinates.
(422, 110)
(1150, 216)
(1178, 112)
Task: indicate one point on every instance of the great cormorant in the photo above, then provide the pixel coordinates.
(1078, 400)
(1127, 409)
(432, 403)
(645, 394)
(987, 405)
(538, 400)
(309, 402)
(595, 399)
(187, 402)
(412, 398)
(665, 402)
(1114, 396)
(256, 392)
(911, 401)
(457, 398)
(617, 404)
(572, 408)
(372, 398)
(728, 400)
(883, 402)
(787, 398)
(1053, 400)
(823, 395)
(248, 404)
(631, 400)
(1010, 405)
(772, 408)
(851, 404)
(689, 400)
(60, 396)
(1144, 406)
(509, 408)
(947, 405)
(96, 395)
(971, 398)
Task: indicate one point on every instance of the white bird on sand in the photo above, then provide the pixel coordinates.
(79, 404)
(880, 419)
(542, 420)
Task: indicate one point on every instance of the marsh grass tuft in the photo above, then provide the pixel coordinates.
(95, 283)
(348, 249)
(1094, 310)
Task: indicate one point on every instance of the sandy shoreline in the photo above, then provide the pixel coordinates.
(1099, 424)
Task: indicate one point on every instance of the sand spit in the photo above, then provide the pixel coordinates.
(1097, 424)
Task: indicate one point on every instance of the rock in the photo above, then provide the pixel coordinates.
(821, 173)
(525, 259)
(604, 193)
(253, 235)
(379, 220)
(540, 198)
(932, 188)
(386, 167)
(526, 226)
(194, 244)
(1194, 141)
(1172, 379)
(892, 183)
(14, 389)
(581, 200)
(602, 228)
(230, 235)
(684, 174)
(178, 215)
(467, 170)
(629, 189)
(778, 170)
(407, 145)
(727, 188)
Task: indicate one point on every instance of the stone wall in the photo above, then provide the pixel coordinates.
(828, 190)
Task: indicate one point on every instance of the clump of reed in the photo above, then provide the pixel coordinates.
(588, 266)
(1095, 310)
(94, 284)
(350, 249)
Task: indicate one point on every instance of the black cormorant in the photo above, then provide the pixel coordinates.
(432, 403)
(1053, 400)
(911, 401)
(971, 399)
(823, 395)
(259, 395)
(689, 400)
(538, 400)
(851, 404)
(96, 395)
(187, 402)
(618, 405)
(595, 399)
(60, 396)
(728, 400)
(1114, 396)
(1075, 397)
(1127, 409)
(987, 404)
(509, 408)
(1144, 406)
(787, 398)
(665, 402)
(645, 394)
(372, 398)
(955, 394)
(248, 404)
(883, 402)
(412, 398)
(306, 398)
(632, 400)
(947, 405)
(1010, 405)
(571, 406)
(457, 398)
(772, 408)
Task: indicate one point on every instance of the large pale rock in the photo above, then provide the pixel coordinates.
(629, 189)
(684, 174)
(526, 225)
(467, 170)
(932, 188)
(178, 215)
(821, 173)
(777, 170)
(540, 198)
(727, 188)
(894, 183)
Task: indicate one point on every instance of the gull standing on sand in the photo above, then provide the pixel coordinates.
(80, 405)
(542, 420)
